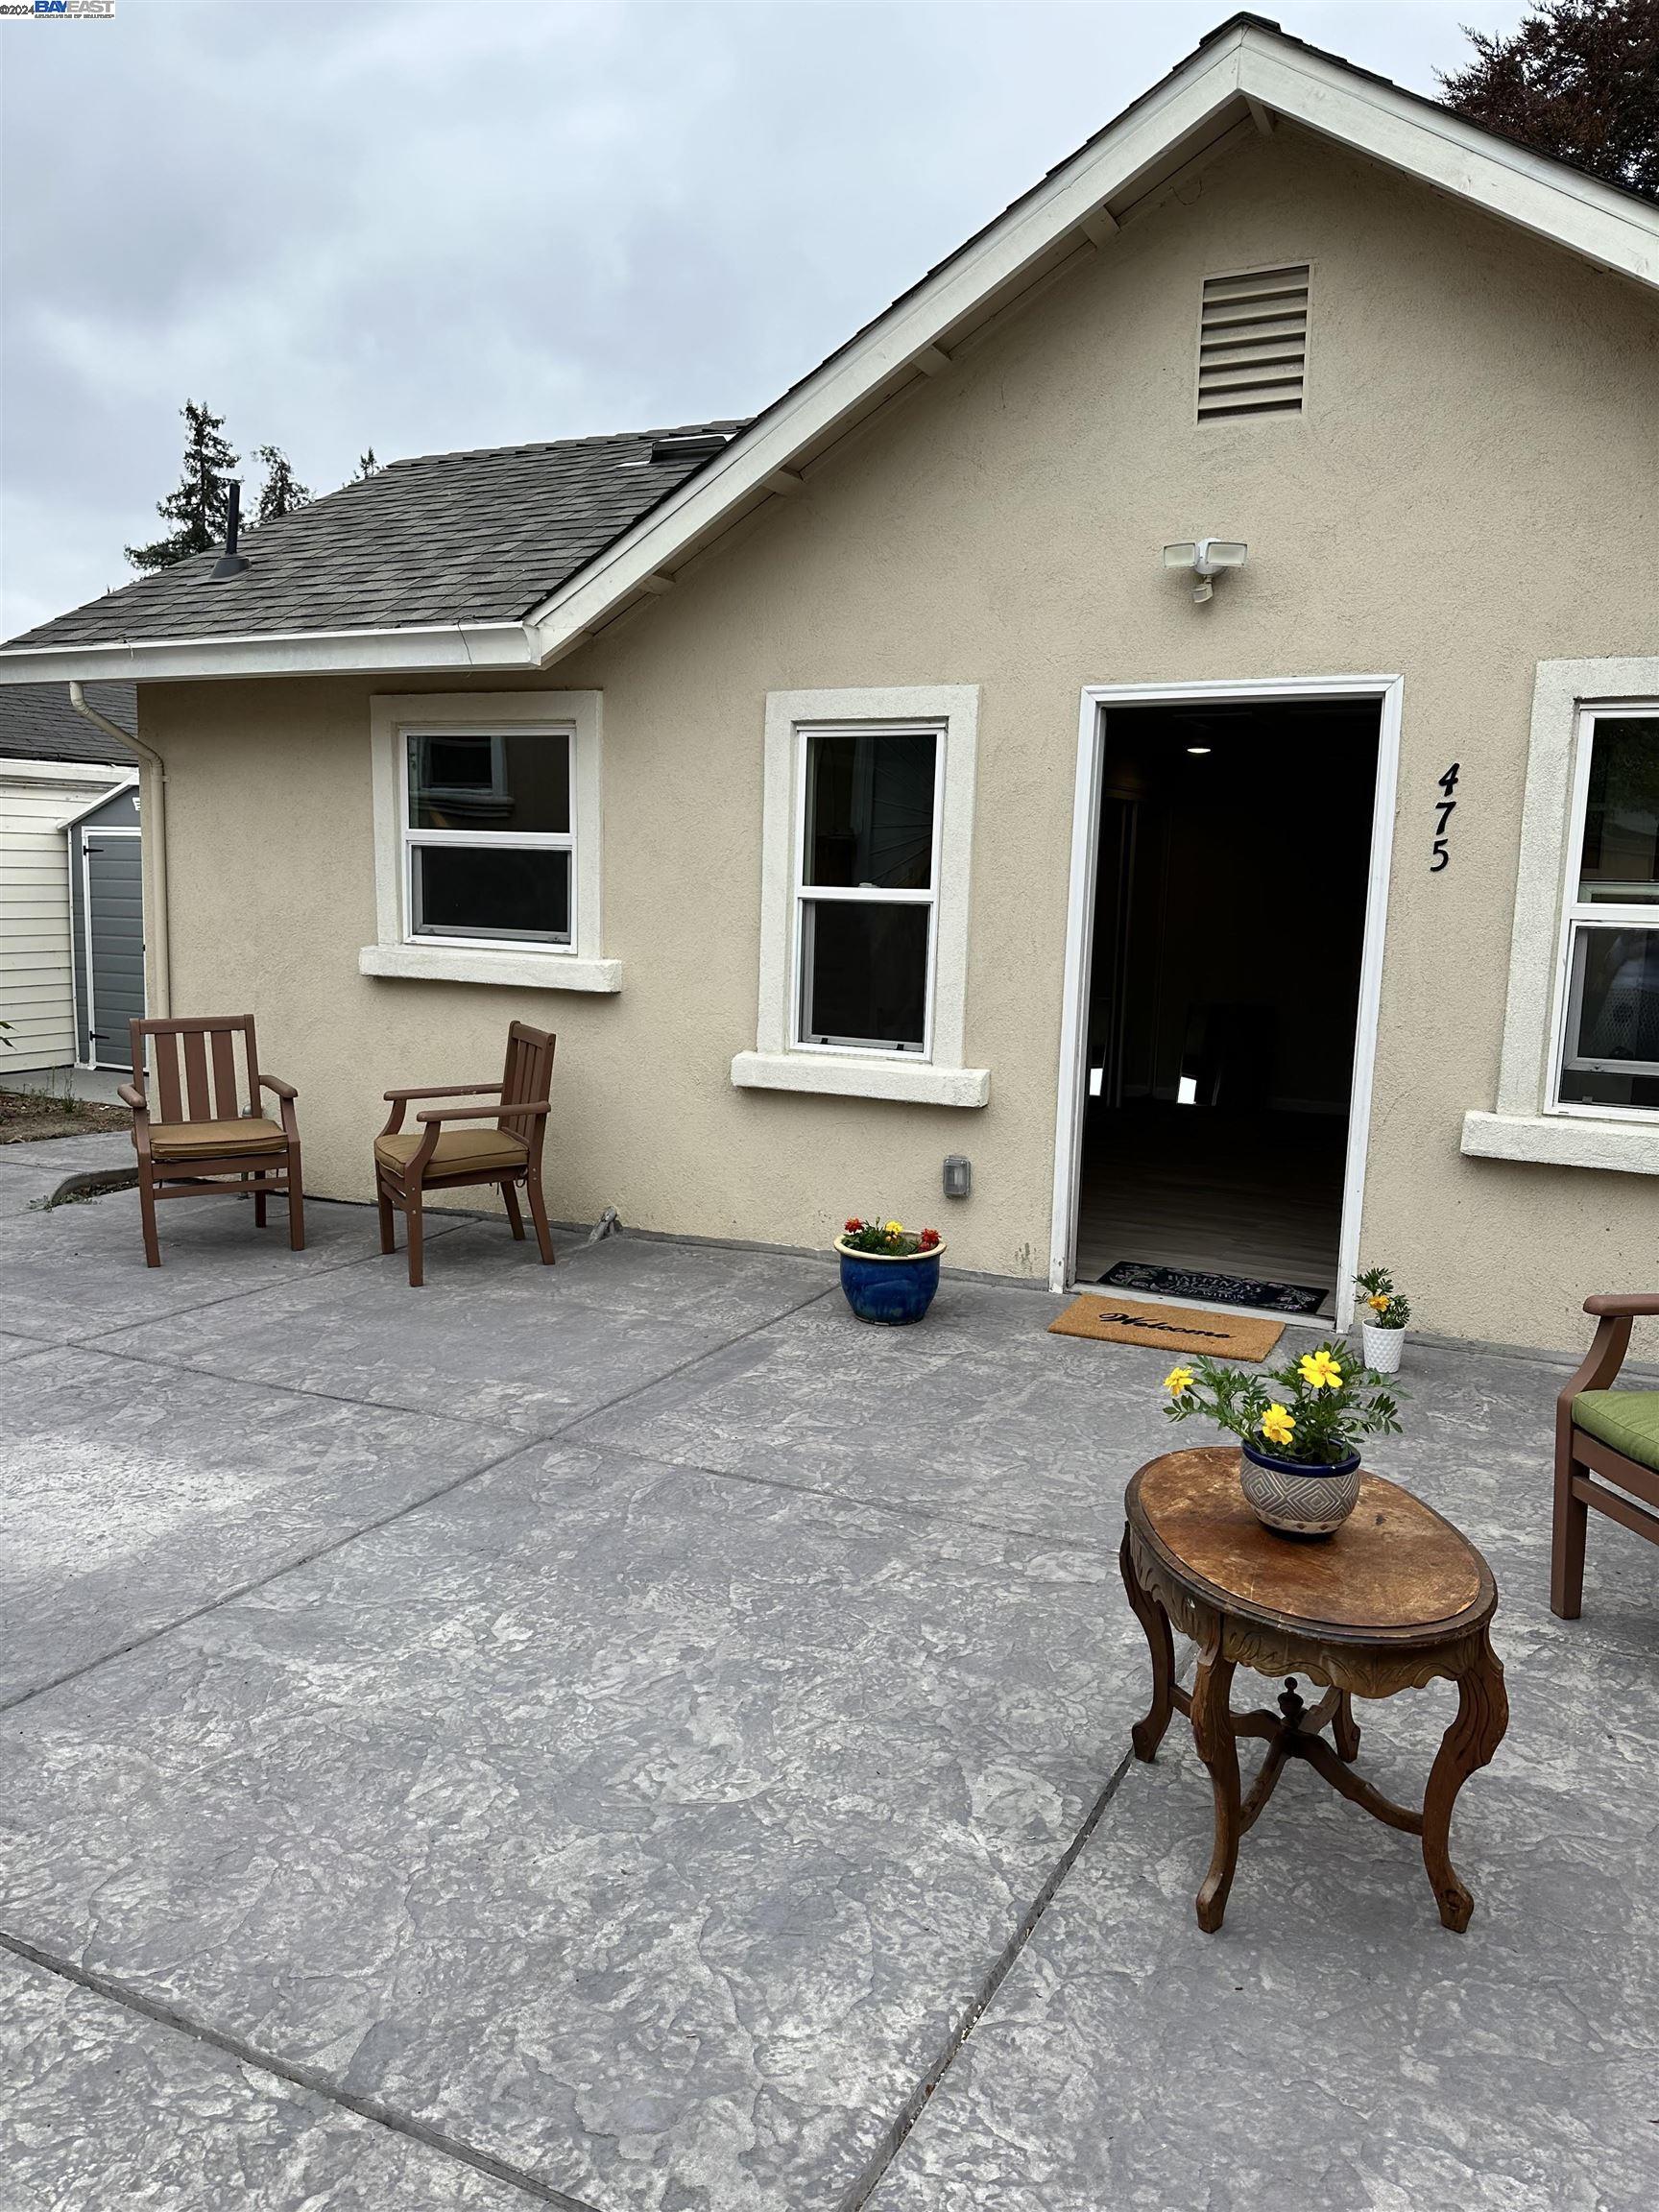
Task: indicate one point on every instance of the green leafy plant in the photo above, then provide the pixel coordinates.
(1324, 1403)
(1388, 1308)
(890, 1238)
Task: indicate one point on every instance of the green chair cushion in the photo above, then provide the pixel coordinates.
(1627, 1419)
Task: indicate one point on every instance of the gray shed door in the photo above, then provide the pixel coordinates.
(115, 926)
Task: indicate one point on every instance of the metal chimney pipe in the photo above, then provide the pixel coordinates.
(231, 563)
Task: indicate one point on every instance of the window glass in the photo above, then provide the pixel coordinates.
(870, 809)
(1611, 1056)
(864, 973)
(519, 780)
(488, 891)
(1620, 855)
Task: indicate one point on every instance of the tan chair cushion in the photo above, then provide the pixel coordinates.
(458, 1151)
(205, 1140)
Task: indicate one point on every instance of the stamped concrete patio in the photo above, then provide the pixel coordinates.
(631, 1737)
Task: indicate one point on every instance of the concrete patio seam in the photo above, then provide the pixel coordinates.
(230, 1297)
(162, 1361)
(934, 1516)
(528, 1436)
(262, 1581)
(37, 1346)
(913, 2106)
(521, 1444)
(247, 2053)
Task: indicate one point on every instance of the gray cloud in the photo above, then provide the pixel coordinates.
(421, 226)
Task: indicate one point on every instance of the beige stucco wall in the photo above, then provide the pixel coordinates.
(1478, 458)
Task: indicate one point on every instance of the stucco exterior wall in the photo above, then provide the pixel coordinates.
(1478, 454)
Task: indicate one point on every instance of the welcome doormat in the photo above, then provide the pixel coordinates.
(1166, 1327)
(1214, 1289)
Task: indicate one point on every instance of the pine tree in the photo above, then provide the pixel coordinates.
(367, 466)
(281, 492)
(196, 508)
(1579, 80)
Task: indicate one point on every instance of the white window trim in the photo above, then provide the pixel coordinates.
(578, 965)
(1527, 1123)
(937, 1077)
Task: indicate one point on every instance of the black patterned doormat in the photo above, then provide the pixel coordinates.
(1214, 1289)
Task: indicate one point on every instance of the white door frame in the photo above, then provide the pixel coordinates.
(1387, 692)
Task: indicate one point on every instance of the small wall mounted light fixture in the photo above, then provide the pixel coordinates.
(1206, 557)
(958, 1176)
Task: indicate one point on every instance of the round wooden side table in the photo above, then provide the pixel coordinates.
(1396, 1598)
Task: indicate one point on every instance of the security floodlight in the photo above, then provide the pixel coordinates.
(1206, 557)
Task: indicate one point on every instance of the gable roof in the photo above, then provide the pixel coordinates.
(456, 542)
(1241, 78)
(37, 723)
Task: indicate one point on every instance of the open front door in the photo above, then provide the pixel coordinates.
(1223, 996)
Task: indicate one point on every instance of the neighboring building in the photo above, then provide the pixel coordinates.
(60, 777)
(859, 786)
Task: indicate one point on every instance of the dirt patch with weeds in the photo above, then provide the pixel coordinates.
(27, 1114)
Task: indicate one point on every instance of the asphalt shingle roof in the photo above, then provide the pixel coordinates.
(447, 538)
(37, 723)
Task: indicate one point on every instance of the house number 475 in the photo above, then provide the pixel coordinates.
(1446, 807)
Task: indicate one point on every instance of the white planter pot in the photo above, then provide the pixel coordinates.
(1383, 1348)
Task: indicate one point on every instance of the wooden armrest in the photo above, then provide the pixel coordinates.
(502, 1111)
(130, 1094)
(275, 1083)
(1614, 1313)
(442, 1090)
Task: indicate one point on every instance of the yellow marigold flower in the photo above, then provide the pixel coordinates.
(894, 1229)
(1277, 1425)
(1178, 1381)
(1378, 1304)
(1320, 1371)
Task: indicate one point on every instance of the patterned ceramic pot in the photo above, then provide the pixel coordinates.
(1298, 1500)
(888, 1287)
(1383, 1347)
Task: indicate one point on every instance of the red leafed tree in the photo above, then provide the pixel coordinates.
(1579, 80)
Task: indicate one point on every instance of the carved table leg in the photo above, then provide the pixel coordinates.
(1218, 1748)
(1474, 1734)
(1146, 1735)
(1345, 1729)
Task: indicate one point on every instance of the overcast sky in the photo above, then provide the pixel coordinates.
(426, 224)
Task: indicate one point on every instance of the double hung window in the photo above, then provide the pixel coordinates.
(866, 889)
(488, 839)
(1607, 1057)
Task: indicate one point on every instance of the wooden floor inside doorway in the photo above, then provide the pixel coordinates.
(1193, 1186)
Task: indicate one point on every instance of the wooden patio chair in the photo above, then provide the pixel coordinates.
(191, 1128)
(1606, 1432)
(436, 1157)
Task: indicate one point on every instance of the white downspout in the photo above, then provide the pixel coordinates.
(153, 785)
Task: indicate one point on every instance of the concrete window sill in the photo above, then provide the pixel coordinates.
(1563, 1141)
(521, 970)
(912, 1081)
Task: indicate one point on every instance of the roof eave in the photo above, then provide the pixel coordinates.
(1615, 229)
(410, 650)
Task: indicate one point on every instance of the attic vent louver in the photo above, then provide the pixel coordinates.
(691, 446)
(1253, 343)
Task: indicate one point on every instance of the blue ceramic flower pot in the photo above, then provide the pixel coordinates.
(891, 1291)
(1294, 1497)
